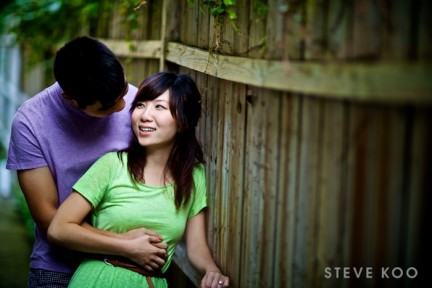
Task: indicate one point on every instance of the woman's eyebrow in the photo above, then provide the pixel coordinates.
(161, 100)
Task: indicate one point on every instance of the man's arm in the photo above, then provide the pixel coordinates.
(66, 230)
(40, 192)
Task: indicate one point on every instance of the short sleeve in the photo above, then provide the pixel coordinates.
(200, 196)
(94, 183)
(24, 148)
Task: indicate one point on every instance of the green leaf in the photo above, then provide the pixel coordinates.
(91, 9)
(217, 10)
(230, 2)
(232, 15)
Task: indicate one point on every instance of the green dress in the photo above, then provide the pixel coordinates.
(119, 206)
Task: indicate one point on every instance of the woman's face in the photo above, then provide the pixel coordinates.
(153, 124)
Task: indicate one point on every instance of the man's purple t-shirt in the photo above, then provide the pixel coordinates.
(48, 131)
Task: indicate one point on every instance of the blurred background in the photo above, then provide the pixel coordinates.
(317, 126)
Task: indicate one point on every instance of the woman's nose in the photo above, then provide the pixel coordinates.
(146, 114)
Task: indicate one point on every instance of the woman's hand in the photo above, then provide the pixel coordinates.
(148, 251)
(214, 279)
(145, 248)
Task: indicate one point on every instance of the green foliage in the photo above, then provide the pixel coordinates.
(42, 25)
(219, 9)
(2, 152)
(24, 212)
(222, 8)
(261, 8)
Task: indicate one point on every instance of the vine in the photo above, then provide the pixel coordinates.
(219, 8)
(40, 26)
(222, 9)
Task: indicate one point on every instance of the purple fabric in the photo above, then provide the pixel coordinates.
(48, 131)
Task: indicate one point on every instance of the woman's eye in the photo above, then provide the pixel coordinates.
(140, 105)
(160, 106)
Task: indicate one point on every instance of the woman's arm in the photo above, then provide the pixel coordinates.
(65, 229)
(199, 253)
(131, 234)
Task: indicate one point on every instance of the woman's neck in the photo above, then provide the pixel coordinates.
(154, 171)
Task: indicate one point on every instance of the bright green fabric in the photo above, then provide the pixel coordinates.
(119, 206)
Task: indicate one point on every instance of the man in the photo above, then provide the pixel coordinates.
(59, 133)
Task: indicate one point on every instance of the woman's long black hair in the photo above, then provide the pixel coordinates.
(185, 106)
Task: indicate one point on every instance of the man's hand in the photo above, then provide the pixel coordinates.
(135, 233)
(148, 250)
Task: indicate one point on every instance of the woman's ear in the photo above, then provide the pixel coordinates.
(70, 100)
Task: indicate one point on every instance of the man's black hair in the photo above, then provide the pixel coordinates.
(88, 72)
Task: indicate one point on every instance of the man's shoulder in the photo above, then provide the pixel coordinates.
(39, 101)
(132, 88)
(37, 112)
(130, 96)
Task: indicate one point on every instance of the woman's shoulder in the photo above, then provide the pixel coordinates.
(199, 174)
(199, 169)
(113, 157)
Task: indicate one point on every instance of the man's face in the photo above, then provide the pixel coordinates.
(97, 110)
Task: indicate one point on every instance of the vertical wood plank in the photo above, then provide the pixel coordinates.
(305, 230)
(231, 145)
(163, 33)
(212, 153)
(371, 195)
(316, 28)
(357, 185)
(154, 32)
(386, 192)
(339, 28)
(271, 161)
(331, 193)
(252, 223)
(292, 31)
(189, 23)
(365, 43)
(260, 189)
(221, 166)
(256, 33)
(234, 172)
(417, 251)
(397, 18)
(286, 204)
(424, 30)
(173, 20)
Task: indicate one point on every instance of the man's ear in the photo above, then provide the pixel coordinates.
(70, 100)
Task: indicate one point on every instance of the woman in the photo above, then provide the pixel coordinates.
(158, 183)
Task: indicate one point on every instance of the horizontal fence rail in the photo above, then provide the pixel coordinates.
(400, 83)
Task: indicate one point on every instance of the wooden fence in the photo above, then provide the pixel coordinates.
(317, 129)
